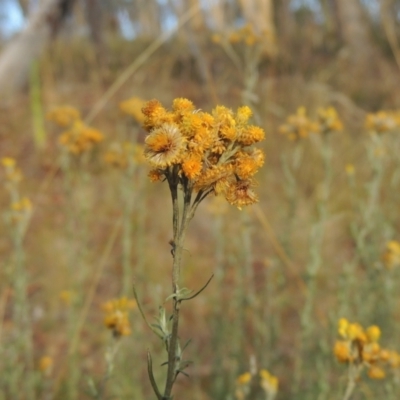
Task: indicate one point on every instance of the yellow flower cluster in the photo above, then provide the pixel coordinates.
(248, 35)
(117, 316)
(210, 152)
(360, 347)
(45, 365)
(329, 120)
(66, 297)
(391, 256)
(133, 107)
(268, 382)
(13, 174)
(350, 170)
(120, 155)
(299, 126)
(78, 138)
(382, 121)
(20, 207)
(64, 116)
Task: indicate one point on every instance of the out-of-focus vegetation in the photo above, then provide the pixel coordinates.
(304, 303)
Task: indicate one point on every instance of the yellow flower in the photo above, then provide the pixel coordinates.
(246, 165)
(164, 146)
(8, 162)
(382, 121)
(391, 257)
(241, 194)
(182, 105)
(63, 116)
(133, 107)
(116, 316)
(373, 333)
(375, 372)
(192, 167)
(80, 138)
(299, 126)
(211, 150)
(394, 359)
(356, 332)
(155, 175)
(343, 325)
(243, 379)
(342, 351)
(329, 120)
(22, 205)
(243, 114)
(45, 364)
(371, 352)
(155, 115)
(66, 296)
(350, 170)
(269, 382)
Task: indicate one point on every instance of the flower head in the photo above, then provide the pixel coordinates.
(133, 107)
(382, 121)
(328, 120)
(64, 116)
(80, 138)
(269, 383)
(299, 126)
(116, 316)
(391, 256)
(213, 151)
(164, 146)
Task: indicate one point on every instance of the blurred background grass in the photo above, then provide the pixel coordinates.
(285, 270)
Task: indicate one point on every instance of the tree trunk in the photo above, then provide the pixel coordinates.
(16, 58)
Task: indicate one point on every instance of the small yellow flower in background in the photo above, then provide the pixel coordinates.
(45, 365)
(360, 350)
(13, 174)
(350, 170)
(394, 359)
(299, 126)
(376, 373)
(66, 297)
(80, 138)
(269, 383)
(243, 385)
(216, 38)
(382, 121)
(64, 116)
(117, 316)
(121, 155)
(214, 152)
(23, 205)
(8, 162)
(391, 256)
(248, 36)
(243, 379)
(328, 120)
(373, 333)
(133, 107)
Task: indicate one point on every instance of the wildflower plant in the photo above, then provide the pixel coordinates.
(247, 47)
(18, 217)
(197, 154)
(359, 348)
(247, 385)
